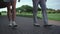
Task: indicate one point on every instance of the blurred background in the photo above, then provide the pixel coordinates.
(24, 8)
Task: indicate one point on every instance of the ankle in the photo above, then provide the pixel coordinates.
(10, 21)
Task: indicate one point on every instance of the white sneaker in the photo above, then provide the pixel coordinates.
(36, 24)
(14, 24)
(10, 25)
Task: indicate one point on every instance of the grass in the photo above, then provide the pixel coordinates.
(55, 16)
(52, 16)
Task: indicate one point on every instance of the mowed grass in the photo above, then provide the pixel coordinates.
(55, 16)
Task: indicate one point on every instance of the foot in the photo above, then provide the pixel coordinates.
(14, 24)
(47, 25)
(36, 24)
(10, 25)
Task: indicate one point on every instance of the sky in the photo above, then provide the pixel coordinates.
(54, 4)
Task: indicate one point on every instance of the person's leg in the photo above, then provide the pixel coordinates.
(9, 14)
(14, 12)
(18, 0)
(44, 12)
(35, 10)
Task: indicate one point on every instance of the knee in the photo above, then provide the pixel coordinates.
(45, 0)
(43, 8)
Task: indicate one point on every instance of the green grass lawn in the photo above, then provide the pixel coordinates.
(52, 16)
(55, 16)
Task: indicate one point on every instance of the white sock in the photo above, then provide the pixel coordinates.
(14, 22)
(10, 22)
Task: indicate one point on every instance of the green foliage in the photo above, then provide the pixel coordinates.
(0, 13)
(3, 11)
(29, 9)
(26, 8)
(1, 1)
(17, 9)
(58, 11)
(39, 9)
(55, 16)
(52, 11)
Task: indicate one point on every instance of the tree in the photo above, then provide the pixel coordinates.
(0, 13)
(39, 9)
(58, 11)
(26, 8)
(17, 9)
(3, 11)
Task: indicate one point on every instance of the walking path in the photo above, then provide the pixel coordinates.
(25, 26)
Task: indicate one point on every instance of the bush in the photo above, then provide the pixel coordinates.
(26, 8)
(3, 11)
(49, 12)
(0, 13)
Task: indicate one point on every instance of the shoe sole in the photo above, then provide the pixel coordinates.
(47, 25)
(10, 26)
(37, 25)
(14, 25)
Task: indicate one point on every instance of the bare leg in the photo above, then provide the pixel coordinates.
(35, 9)
(9, 14)
(14, 11)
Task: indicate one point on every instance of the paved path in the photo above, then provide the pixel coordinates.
(25, 26)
